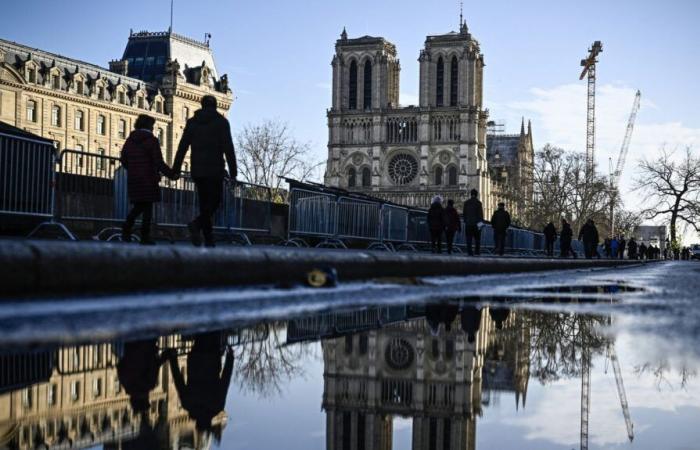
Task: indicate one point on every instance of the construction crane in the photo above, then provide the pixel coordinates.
(589, 66)
(585, 392)
(621, 391)
(622, 157)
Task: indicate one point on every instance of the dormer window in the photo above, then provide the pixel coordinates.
(159, 106)
(31, 75)
(79, 87)
(122, 97)
(140, 102)
(56, 81)
(100, 92)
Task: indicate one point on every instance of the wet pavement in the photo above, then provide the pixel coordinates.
(481, 362)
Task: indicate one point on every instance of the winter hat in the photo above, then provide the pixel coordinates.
(437, 199)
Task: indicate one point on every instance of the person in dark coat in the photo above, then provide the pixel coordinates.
(622, 247)
(567, 235)
(500, 221)
(142, 158)
(589, 235)
(452, 224)
(642, 251)
(436, 224)
(550, 237)
(203, 393)
(632, 249)
(607, 246)
(473, 214)
(208, 133)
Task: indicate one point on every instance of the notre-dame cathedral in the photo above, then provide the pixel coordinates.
(410, 154)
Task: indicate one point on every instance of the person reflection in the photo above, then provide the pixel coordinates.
(138, 375)
(470, 317)
(203, 395)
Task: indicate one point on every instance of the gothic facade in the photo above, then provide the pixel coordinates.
(410, 154)
(86, 107)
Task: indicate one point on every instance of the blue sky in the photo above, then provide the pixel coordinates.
(277, 54)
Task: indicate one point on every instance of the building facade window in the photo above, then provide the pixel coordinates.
(159, 106)
(51, 394)
(452, 176)
(79, 87)
(79, 120)
(438, 176)
(185, 113)
(440, 83)
(454, 81)
(100, 161)
(352, 177)
(161, 135)
(56, 81)
(100, 92)
(56, 116)
(122, 97)
(75, 391)
(367, 95)
(97, 387)
(101, 125)
(31, 111)
(352, 86)
(31, 75)
(121, 131)
(366, 177)
(140, 102)
(27, 398)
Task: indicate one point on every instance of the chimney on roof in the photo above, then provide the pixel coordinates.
(119, 66)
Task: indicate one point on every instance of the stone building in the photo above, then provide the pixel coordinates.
(71, 397)
(511, 159)
(409, 154)
(435, 379)
(87, 107)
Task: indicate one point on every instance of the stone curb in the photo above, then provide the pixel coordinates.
(29, 268)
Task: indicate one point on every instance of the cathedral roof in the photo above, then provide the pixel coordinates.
(502, 149)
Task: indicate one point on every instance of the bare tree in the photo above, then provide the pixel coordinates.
(562, 189)
(267, 153)
(672, 188)
(626, 221)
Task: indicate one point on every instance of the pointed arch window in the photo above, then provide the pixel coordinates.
(452, 176)
(454, 81)
(438, 176)
(440, 83)
(352, 86)
(367, 101)
(352, 177)
(366, 177)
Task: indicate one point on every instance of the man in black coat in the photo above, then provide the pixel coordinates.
(621, 247)
(500, 221)
(209, 135)
(567, 235)
(550, 236)
(436, 224)
(589, 235)
(473, 214)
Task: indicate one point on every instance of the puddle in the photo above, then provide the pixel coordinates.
(584, 289)
(449, 375)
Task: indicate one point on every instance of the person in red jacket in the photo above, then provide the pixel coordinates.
(142, 158)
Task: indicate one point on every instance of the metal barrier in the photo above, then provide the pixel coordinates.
(312, 213)
(358, 219)
(26, 176)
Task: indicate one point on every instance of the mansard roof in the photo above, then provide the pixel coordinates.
(17, 54)
(149, 52)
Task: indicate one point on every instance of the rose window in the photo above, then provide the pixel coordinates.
(403, 168)
(399, 354)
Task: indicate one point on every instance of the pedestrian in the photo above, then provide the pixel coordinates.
(614, 246)
(452, 224)
(500, 221)
(567, 235)
(143, 160)
(208, 133)
(436, 224)
(632, 249)
(607, 247)
(589, 235)
(622, 246)
(642, 251)
(550, 236)
(650, 252)
(473, 214)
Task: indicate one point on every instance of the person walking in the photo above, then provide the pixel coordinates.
(607, 248)
(589, 235)
(614, 245)
(500, 221)
(550, 237)
(208, 133)
(473, 213)
(621, 247)
(452, 224)
(567, 235)
(142, 158)
(632, 249)
(436, 224)
(642, 251)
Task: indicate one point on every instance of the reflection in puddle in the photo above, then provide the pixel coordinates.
(584, 289)
(439, 369)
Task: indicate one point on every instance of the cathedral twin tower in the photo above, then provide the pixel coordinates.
(409, 154)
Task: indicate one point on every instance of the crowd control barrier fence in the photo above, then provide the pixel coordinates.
(94, 187)
(328, 217)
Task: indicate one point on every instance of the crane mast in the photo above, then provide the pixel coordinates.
(621, 392)
(589, 69)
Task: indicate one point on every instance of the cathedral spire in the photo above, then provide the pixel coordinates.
(522, 127)
(529, 128)
(344, 35)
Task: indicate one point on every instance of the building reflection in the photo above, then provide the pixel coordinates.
(142, 394)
